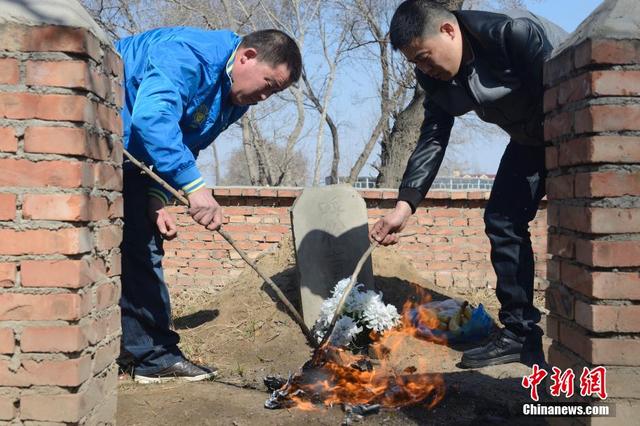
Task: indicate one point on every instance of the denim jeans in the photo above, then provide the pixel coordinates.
(517, 190)
(146, 310)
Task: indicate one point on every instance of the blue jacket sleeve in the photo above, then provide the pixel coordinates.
(170, 80)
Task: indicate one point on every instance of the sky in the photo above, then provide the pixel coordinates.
(353, 108)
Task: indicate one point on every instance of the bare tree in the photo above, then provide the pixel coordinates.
(296, 174)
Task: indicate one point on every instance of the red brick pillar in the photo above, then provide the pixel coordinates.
(593, 120)
(60, 222)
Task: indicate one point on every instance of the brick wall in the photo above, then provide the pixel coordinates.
(450, 248)
(60, 225)
(593, 106)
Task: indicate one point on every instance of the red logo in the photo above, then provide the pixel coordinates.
(594, 381)
(534, 380)
(562, 383)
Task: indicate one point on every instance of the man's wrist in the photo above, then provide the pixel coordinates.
(404, 208)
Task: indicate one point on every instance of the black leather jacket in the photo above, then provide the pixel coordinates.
(501, 81)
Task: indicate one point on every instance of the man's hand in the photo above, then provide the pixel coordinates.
(204, 209)
(161, 217)
(384, 231)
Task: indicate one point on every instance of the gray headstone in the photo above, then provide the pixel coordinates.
(330, 232)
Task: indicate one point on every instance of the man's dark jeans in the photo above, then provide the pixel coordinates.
(146, 311)
(518, 188)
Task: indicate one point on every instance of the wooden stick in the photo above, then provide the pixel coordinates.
(227, 237)
(349, 287)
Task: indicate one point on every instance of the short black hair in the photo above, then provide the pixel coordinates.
(415, 19)
(276, 47)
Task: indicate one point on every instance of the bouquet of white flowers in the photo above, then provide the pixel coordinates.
(363, 311)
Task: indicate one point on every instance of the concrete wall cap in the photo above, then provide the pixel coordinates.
(69, 13)
(613, 19)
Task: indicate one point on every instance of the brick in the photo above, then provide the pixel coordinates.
(66, 207)
(64, 174)
(108, 237)
(106, 355)
(558, 67)
(607, 184)
(560, 187)
(561, 245)
(9, 72)
(20, 106)
(113, 63)
(8, 140)
(7, 206)
(49, 38)
(42, 241)
(116, 208)
(68, 408)
(7, 407)
(107, 295)
(560, 301)
(615, 83)
(607, 118)
(603, 318)
(596, 220)
(575, 89)
(66, 339)
(599, 351)
(558, 125)
(605, 51)
(34, 307)
(108, 324)
(623, 382)
(114, 263)
(62, 273)
(70, 74)
(550, 99)
(69, 372)
(608, 253)
(67, 141)
(601, 285)
(600, 149)
(108, 177)
(7, 341)
(109, 119)
(551, 157)
(7, 274)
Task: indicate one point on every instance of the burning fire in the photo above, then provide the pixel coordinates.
(336, 376)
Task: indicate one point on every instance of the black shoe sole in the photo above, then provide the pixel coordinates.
(504, 359)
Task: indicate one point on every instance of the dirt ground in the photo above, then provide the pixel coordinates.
(247, 336)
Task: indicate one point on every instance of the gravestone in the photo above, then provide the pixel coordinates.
(330, 233)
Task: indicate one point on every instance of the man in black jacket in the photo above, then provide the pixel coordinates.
(489, 63)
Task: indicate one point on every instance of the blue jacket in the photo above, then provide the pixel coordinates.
(177, 83)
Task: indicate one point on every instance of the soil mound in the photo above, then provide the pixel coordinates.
(244, 332)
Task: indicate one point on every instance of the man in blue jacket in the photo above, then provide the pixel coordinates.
(489, 63)
(183, 87)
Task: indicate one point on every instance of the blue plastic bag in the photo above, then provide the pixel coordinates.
(478, 327)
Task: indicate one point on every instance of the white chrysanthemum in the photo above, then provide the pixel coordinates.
(344, 331)
(362, 308)
(380, 317)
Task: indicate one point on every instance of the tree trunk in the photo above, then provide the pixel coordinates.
(249, 152)
(397, 148)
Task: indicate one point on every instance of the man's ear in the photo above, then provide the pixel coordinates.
(449, 29)
(248, 53)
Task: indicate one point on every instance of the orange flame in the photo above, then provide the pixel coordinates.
(336, 381)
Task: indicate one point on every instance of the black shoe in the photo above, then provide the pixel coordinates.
(180, 371)
(503, 348)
